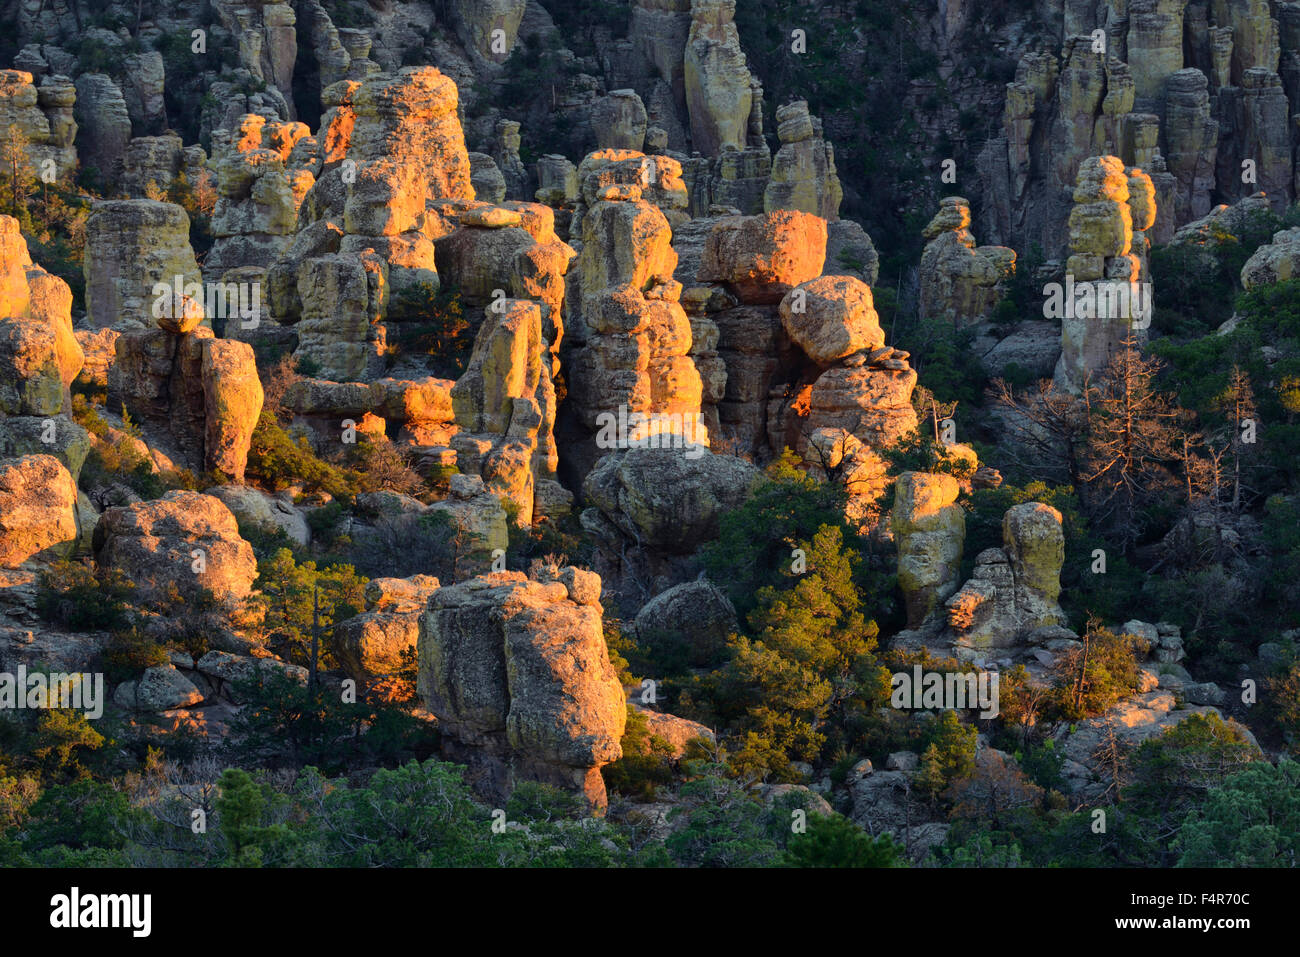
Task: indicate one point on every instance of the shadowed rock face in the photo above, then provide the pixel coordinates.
(661, 499)
(961, 282)
(201, 393)
(103, 124)
(517, 672)
(131, 245)
(43, 115)
(265, 34)
(1015, 588)
(488, 28)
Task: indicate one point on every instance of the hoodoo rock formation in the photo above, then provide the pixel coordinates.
(1108, 294)
(133, 245)
(961, 282)
(517, 672)
(533, 385)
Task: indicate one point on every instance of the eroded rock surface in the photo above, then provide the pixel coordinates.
(517, 672)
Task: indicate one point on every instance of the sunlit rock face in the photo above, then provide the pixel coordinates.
(152, 544)
(389, 147)
(517, 671)
(505, 409)
(628, 349)
(717, 79)
(258, 193)
(1108, 282)
(929, 531)
(803, 170)
(38, 510)
(40, 358)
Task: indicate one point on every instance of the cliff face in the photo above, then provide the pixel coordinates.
(1201, 90)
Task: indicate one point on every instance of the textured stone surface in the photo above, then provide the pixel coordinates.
(803, 170)
(258, 193)
(697, 609)
(628, 351)
(477, 23)
(717, 79)
(929, 531)
(184, 539)
(850, 250)
(831, 317)
(1193, 136)
(204, 393)
(103, 125)
(370, 645)
(391, 148)
(662, 499)
(39, 354)
(1014, 589)
(42, 115)
(160, 688)
(505, 407)
(254, 507)
(38, 510)
(265, 35)
(960, 281)
(619, 121)
(1273, 262)
(131, 245)
(519, 676)
(1114, 204)
(761, 257)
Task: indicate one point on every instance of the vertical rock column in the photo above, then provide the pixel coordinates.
(717, 79)
(1192, 138)
(803, 170)
(1105, 283)
(960, 282)
(631, 342)
(929, 531)
(131, 244)
(505, 408)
